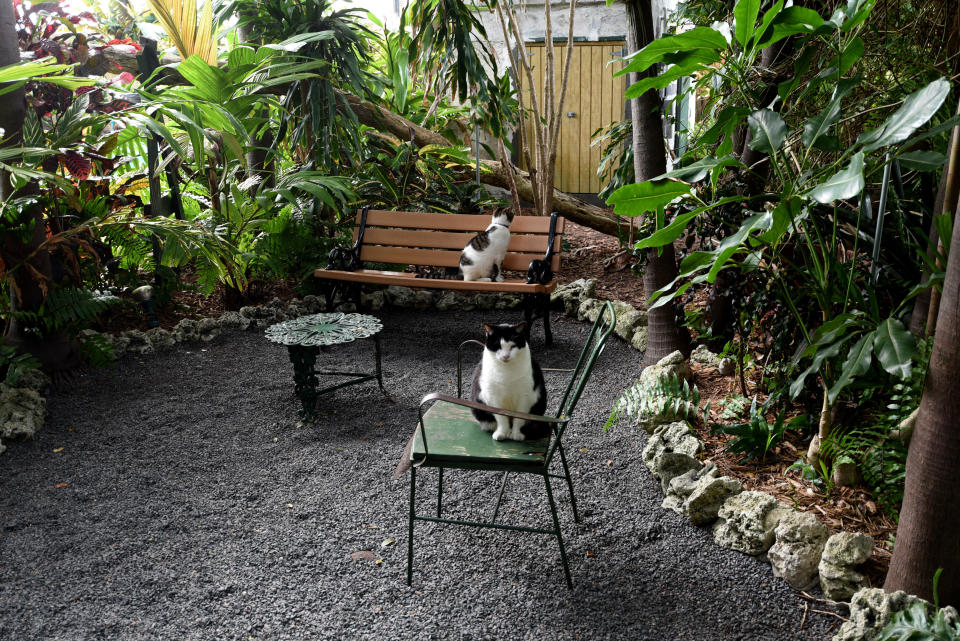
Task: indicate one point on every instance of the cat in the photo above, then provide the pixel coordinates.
(481, 259)
(509, 378)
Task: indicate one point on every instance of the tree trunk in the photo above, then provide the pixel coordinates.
(930, 517)
(946, 202)
(649, 161)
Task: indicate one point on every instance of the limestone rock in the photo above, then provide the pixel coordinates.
(485, 301)
(703, 356)
(639, 340)
(871, 610)
(848, 548)
(373, 301)
(568, 297)
(842, 554)
(589, 309)
(208, 328)
(3, 448)
(422, 299)
(314, 304)
(138, 342)
(699, 494)
(795, 555)
(160, 338)
(400, 296)
(233, 320)
(726, 366)
(22, 412)
(445, 301)
(186, 331)
(119, 343)
(33, 379)
(669, 452)
(746, 522)
(669, 365)
(628, 321)
(507, 301)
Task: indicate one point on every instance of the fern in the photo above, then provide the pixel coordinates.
(14, 365)
(915, 624)
(67, 309)
(664, 396)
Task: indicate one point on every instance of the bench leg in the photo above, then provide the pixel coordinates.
(538, 306)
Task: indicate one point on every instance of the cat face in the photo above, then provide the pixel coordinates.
(503, 216)
(505, 340)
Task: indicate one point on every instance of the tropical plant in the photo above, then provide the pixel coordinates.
(791, 233)
(755, 438)
(914, 623)
(191, 34)
(664, 397)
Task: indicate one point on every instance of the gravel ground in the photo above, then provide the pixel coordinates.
(176, 496)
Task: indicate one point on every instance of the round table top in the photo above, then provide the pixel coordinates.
(317, 330)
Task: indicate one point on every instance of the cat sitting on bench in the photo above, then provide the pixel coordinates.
(483, 255)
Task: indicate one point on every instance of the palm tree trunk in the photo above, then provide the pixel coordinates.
(930, 518)
(650, 160)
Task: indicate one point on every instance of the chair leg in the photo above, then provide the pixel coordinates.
(496, 508)
(413, 486)
(556, 526)
(440, 492)
(566, 474)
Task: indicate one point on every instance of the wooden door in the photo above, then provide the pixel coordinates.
(594, 99)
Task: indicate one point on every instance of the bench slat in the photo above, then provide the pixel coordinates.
(450, 240)
(440, 257)
(456, 222)
(410, 280)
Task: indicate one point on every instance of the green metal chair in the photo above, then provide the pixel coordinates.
(447, 436)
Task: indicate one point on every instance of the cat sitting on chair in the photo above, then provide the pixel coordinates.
(509, 378)
(482, 257)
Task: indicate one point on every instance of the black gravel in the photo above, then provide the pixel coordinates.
(176, 496)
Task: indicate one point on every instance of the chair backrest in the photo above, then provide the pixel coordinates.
(603, 326)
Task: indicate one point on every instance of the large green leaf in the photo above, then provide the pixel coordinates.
(639, 198)
(745, 19)
(895, 348)
(782, 218)
(698, 170)
(687, 68)
(922, 160)
(209, 82)
(789, 22)
(818, 125)
(916, 110)
(768, 130)
(821, 355)
(703, 38)
(858, 362)
(768, 17)
(671, 232)
(846, 183)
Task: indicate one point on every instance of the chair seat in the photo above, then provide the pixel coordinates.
(455, 439)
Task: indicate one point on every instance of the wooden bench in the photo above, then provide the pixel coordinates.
(434, 242)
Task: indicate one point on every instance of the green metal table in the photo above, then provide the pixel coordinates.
(304, 336)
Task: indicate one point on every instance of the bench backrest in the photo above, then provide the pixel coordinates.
(415, 238)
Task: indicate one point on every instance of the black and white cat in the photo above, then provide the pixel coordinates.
(509, 378)
(481, 259)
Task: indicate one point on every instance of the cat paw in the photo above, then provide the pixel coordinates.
(517, 435)
(499, 279)
(501, 435)
(488, 426)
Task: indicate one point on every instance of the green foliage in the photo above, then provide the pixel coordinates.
(665, 397)
(14, 365)
(820, 475)
(756, 437)
(916, 624)
(793, 228)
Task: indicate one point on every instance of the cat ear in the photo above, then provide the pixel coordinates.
(488, 328)
(521, 327)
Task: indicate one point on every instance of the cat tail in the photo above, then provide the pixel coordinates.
(452, 273)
